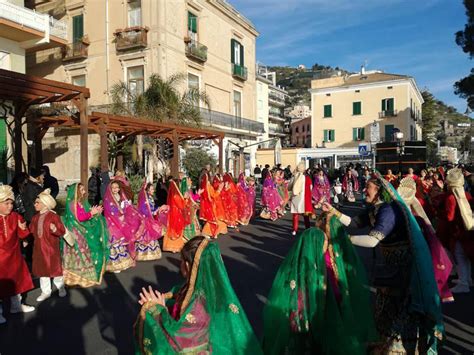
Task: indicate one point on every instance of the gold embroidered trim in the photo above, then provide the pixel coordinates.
(234, 309)
(377, 235)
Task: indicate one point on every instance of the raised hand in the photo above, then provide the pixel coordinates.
(22, 225)
(53, 228)
(152, 296)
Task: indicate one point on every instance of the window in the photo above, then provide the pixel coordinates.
(5, 60)
(297, 129)
(134, 13)
(77, 28)
(358, 134)
(308, 128)
(356, 108)
(412, 133)
(389, 132)
(79, 80)
(136, 80)
(237, 104)
(327, 110)
(329, 135)
(302, 128)
(388, 105)
(192, 26)
(193, 84)
(236, 53)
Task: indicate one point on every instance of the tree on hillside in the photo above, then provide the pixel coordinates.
(465, 39)
(430, 117)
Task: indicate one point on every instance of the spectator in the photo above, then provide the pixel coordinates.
(18, 184)
(50, 182)
(161, 191)
(31, 191)
(257, 172)
(94, 187)
(288, 174)
(265, 172)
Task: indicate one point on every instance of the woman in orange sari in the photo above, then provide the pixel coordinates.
(208, 209)
(229, 201)
(174, 238)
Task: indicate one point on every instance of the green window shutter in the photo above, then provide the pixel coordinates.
(354, 134)
(325, 135)
(388, 132)
(356, 108)
(327, 110)
(390, 104)
(362, 133)
(232, 51)
(77, 27)
(333, 135)
(3, 135)
(241, 55)
(192, 22)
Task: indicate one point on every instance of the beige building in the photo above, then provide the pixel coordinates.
(345, 107)
(22, 31)
(112, 41)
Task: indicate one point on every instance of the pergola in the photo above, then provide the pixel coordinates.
(26, 90)
(126, 126)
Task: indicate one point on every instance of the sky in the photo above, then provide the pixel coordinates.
(408, 37)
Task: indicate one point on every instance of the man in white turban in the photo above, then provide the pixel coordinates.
(301, 197)
(47, 229)
(15, 278)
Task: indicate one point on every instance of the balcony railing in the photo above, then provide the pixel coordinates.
(196, 50)
(239, 72)
(276, 117)
(215, 118)
(131, 38)
(32, 19)
(388, 113)
(75, 51)
(276, 130)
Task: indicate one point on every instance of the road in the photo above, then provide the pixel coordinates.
(100, 320)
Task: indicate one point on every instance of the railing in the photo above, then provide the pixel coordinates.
(276, 117)
(276, 97)
(276, 130)
(196, 50)
(239, 71)
(32, 19)
(233, 122)
(76, 50)
(388, 113)
(131, 38)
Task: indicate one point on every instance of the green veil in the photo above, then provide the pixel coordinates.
(94, 233)
(210, 306)
(302, 314)
(424, 295)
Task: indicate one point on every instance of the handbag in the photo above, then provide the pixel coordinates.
(69, 237)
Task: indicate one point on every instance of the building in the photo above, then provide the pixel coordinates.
(298, 112)
(112, 41)
(301, 133)
(263, 108)
(22, 31)
(344, 106)
(277, 96)
(448, 154)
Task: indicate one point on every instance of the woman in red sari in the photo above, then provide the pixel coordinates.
(174, 237)
(229, 201)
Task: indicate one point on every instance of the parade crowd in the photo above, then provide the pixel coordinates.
(320, 299)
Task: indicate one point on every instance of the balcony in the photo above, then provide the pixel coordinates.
(75, 51)
(131, 38)
(195, 50)
(276, 100)
(388, 113)
(277, 131)
(226, 122)
(276, 117)
(239, 72)
(30, 28)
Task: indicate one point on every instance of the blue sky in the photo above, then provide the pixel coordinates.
(411, 37)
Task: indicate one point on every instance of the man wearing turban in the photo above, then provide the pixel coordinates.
(47, 229)
(15, 278)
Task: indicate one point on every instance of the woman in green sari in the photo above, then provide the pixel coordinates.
(202, 316)
(85, 258)
(319, 302)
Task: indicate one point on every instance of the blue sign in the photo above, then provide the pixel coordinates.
(364, 149)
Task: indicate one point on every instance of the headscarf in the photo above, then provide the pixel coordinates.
(6, 193)
(455, 181)
(407, 190)
(47, 200)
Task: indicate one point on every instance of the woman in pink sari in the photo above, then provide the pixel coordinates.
(271, 199)
(321, 189)
(123, 227)
(147, 247)
(245, 210)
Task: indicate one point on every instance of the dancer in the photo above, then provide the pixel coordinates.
(124, 184)
(441, 264)
(407, 304)
(321, 189)
(245, 209)
(85, 259)
(208, 210)
(147, 246)
(178, 219)
(350, 185)
(203, 316)
(47, 229)
(192, 229)
(282, 188)
(319, 302)
(301, 198)
(15, 278)
(125, 227)
(229, 201)
(271, 200)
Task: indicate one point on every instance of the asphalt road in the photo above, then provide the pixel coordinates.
(100, 320)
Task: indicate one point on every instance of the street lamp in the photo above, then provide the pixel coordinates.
(398, 135)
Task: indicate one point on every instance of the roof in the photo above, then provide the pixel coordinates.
(360, 79)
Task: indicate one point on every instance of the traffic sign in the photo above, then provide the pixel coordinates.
(364, 149)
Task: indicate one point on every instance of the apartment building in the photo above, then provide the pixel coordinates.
(344, 107)
(209, 41)
(22, 31)
(301, 132)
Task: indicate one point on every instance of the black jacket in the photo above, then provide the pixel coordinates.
(29, 195)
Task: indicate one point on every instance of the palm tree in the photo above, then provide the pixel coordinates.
(161, 101)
